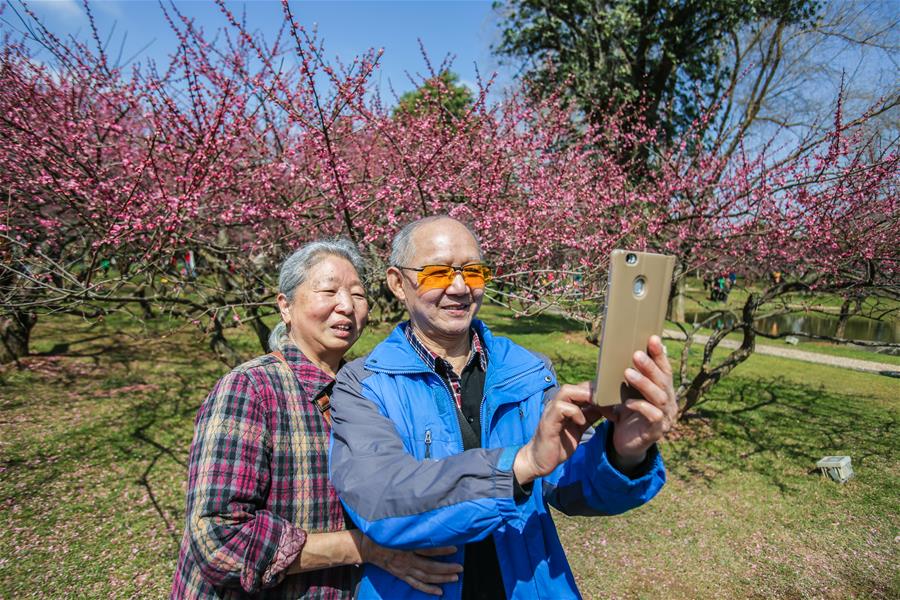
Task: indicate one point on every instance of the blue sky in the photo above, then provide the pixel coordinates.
(462, 28)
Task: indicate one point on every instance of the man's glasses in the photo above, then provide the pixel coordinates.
(433, 277)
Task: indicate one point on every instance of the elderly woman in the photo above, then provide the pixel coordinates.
(263, 520)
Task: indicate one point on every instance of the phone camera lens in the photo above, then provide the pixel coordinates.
(640, 286)
(631, 258)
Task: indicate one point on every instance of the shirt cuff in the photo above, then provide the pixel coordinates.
(290, 545)
(521, 493)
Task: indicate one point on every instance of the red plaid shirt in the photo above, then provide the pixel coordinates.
(258, 483)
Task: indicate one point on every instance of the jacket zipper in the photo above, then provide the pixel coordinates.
(484, 423)
(453, 407)
(427, 444)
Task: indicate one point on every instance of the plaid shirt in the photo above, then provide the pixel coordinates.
(433, 361)
(258, 483)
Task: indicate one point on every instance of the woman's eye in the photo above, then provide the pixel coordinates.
(360, 296)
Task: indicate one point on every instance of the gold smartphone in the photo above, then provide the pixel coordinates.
(636, 300)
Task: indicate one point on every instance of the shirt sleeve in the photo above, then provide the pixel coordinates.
(233, 538)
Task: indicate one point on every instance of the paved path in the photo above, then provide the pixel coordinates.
(813, 357)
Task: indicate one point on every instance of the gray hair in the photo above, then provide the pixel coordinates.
(296, 267)
(402, 250)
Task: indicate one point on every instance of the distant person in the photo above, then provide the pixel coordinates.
(262, 519)
(449, 435)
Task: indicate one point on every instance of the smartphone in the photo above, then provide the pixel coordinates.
(636, 301)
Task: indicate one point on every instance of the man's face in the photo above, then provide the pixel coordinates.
(442, 315)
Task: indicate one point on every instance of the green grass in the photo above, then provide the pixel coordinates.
(92, 452)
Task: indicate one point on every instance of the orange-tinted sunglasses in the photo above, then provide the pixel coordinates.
(433, 277)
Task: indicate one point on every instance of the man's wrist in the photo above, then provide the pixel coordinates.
(627, 465)
(363, 545)
(523, 467)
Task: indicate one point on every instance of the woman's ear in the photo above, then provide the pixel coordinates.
(395, 283)
(284, 307)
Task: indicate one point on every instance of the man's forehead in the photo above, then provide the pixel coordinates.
(444, 239)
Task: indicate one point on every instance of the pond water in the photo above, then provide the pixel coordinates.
(858, 328)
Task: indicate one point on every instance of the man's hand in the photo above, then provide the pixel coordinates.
(564, 420)
(413, 567)
(641, 423)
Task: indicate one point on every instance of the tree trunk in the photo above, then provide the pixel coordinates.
(689, 393)
(145, 306)
(676, 303)
(15, 334)
(846, 313)
(219, 344)
(261, 330)
(596, 331)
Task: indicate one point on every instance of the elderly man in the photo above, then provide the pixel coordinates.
(448, 435)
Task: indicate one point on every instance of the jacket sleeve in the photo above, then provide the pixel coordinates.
(234, 540)
(399, 501)
(588, 485)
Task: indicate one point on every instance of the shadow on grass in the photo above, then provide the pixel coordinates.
(541, 324)
(777, 429)
(117, 406)
(154, 433)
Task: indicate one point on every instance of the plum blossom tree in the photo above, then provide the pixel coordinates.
(240, 150)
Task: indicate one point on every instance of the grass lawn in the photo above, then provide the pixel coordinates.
(93, 449)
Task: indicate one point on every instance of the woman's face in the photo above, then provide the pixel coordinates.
(329, 309)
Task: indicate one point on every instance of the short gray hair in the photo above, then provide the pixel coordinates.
(402, 250)
(296, 267)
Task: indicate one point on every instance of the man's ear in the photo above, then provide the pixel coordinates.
(284, 307)
(395, 283)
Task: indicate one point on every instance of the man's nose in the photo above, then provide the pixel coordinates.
(457, 284)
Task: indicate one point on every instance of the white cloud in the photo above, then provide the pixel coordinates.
(60, 9)
(109, 7)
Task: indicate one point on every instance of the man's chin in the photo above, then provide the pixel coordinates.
(456, 324)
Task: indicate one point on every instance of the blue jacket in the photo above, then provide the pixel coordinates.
(397, 461)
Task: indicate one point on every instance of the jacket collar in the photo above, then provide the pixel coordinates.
(396, 355)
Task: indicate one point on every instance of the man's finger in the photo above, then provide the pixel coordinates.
(576, 394)
(571, 412)
(648, 389)
(650, 369)
(427, 576)
(435, 567)
(651, 413)
(657, 351)
(442, 551)
(422, 586)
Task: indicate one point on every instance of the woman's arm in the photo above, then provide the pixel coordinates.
(325, 550)
(234, 540)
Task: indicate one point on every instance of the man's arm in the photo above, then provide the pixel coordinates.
(589, 484)
(619, 467)
(400, 502)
